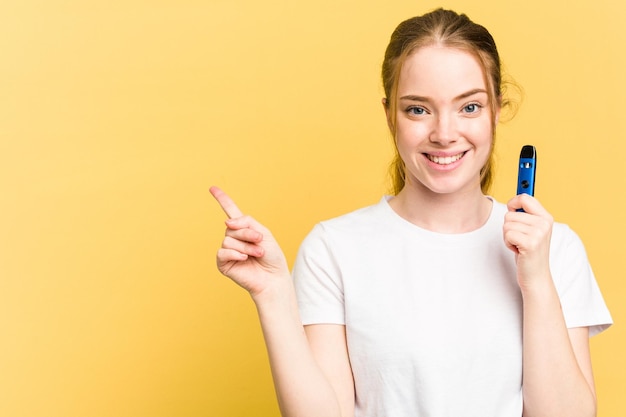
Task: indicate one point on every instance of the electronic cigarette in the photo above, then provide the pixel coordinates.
(527, 170)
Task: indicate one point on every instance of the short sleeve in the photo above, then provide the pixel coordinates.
(581, 299)
(317, 279)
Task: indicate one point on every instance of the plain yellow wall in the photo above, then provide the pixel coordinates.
(116, 117)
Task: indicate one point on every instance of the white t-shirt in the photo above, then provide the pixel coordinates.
(433, 321)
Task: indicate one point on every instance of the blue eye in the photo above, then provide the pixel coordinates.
(472, 108)
(416, 111)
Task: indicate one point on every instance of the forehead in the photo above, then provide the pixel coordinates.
(439, 71)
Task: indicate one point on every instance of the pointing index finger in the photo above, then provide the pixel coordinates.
(227, 204)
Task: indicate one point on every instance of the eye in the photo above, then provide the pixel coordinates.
(416, 111)
(472, 108)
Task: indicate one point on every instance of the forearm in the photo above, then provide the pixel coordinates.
(301, 387)
(553, 384)
(251, 257)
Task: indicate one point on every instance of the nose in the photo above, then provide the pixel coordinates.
(444, 130)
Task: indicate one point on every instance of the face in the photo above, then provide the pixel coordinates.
(443, 121)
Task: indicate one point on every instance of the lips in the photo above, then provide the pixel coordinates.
(444, 160)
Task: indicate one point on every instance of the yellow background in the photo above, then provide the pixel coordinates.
(116, 117)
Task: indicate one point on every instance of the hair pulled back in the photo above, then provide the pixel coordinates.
(448, 29)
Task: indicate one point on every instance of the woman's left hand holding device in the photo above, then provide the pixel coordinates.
(528, 233)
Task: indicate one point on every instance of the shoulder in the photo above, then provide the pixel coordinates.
(360, 219)
(358, 215)
(565, 239)
(354, 226)
(568, 258)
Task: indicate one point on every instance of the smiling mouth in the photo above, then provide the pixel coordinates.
(445, 160)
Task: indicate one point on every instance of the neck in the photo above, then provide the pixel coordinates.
(459, 212)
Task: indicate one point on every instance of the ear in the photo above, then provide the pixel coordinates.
(385, 102)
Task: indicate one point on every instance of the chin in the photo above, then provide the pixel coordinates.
(450, 188)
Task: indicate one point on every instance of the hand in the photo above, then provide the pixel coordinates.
(528, 234)
(249, 254)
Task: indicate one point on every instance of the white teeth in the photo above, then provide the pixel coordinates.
(445, 160)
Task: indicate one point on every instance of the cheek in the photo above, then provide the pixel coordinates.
(484, 144)
(408, 140)
(410, 133)
(482, 134)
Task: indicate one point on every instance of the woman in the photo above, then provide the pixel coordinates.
(438, 300)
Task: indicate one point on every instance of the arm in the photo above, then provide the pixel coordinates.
(330, 349)
(305, 387)
(558, 380)
(310, 365)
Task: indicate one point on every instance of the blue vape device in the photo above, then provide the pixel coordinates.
(527, 170)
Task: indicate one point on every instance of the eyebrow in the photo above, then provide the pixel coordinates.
(469, 93)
